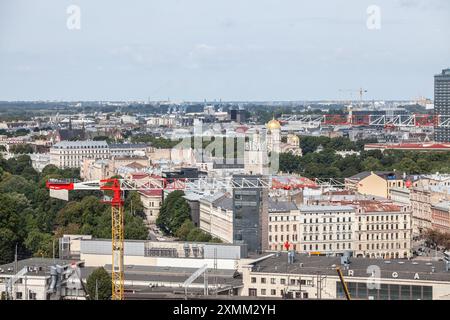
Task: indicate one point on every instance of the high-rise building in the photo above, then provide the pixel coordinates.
(250, 213)
(442, 103)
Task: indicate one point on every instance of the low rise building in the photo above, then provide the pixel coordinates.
(376, 183)
(422, 200)
(42, 279)
(440, 216)
(152, 202)
(304, 277)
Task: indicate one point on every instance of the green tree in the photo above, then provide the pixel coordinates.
(21, 149)
(40, 244)
(99, 285)
(134, 204)
(371, 164)
(174, 212)
(183, 231)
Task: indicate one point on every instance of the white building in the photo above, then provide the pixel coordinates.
(69, 154)
(326, 229)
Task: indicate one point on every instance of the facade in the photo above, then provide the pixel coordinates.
(440, 216)
(400, 195)
(127, 149)
(284, 225)
(92, 169)
(422, 200)
(42, 279)
(216, 216)
(70, 154)
(250, 215)
(383, 230)
(256, 159)
(97, 253)
(152, 202)
(376, 183)
(442, 103)
(326, 230)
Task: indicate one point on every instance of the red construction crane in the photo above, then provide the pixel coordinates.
(117, 188)
(59, 188)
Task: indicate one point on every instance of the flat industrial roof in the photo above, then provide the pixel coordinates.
(313, 265)
(39, 266)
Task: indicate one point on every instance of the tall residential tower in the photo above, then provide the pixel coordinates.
(442, 103)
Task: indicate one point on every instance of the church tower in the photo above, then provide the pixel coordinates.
(274, 136)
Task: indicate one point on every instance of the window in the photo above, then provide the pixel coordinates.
(282, 281)
(18, 295)
(263, 292)
(253, 280)
(405, 292)
(272, 281)
(263, 280)
(273, 292)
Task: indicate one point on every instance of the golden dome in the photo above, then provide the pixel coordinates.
(273, 124)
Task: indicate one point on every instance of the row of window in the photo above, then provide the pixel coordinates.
(381, 246)
(331, 246)
(330, 237)
(381, 218)
(330, 228)
(382, 236)
(282, 281)
(288, 238)
(382, 227)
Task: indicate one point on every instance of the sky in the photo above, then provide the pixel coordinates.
(234, 50)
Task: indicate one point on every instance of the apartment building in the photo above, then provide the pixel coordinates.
(422, 200)
(383, 230)
(216, 216)
(128, 149)
(96, 169)
(152, 202)
(284, 223)
(70, 154)
(440, 216)
(376, 183)
(326, 230)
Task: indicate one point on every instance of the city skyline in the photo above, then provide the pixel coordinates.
(230, 51)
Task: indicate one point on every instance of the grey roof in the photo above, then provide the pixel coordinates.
(175, 275)
(77, 144)
(311, 265)
(127, 145)
(382, 174)
(213, 197)
(309, 208)
(281, 206)
(443, 205)
(224, 203)
(42, 265)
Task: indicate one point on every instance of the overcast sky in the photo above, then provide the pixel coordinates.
(221, 49)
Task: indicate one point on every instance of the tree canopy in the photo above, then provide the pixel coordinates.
(328, 164)
(33, 221)
(99, 285)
